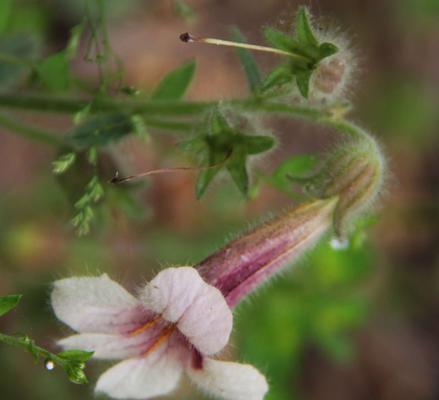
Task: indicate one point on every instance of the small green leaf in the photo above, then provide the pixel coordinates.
(204, 179)
(299, 166)
(327, 49)
(281, 40)
(278, 76)
(174, 85)
(302, 80)
(76, 355)
(7, 303)
(54, 72)
(75, 37)
(248, 62)
(63, 163)
(75, 372)
(257, 144)
(101, 130)
(304, 32)
(238, 170)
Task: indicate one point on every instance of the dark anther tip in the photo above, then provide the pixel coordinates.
(186, 37)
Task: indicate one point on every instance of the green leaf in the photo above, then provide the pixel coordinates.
(281, 40)
(278, 76)
(304, 32)
(174, 85)
(7, 303)
(101, 130)
(327, 49)
(238, 170)
(63, 163)
(256, 144)
(248, 62)
(76, 355)
(302, 80)
(21, 48)
(54, 72)
(299, 166)
(5, 11)
(75, 37)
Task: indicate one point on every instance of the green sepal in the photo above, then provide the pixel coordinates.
(304, 33)
(8, 303)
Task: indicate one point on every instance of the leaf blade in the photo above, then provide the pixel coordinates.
(8, 303)
(175, 84)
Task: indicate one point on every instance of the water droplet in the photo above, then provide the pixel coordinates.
(49, 365)
(339, 243)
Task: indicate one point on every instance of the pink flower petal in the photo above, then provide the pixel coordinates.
(229, 381)
(156, 374)
(97, 305)
(107, 346)
(200, 311)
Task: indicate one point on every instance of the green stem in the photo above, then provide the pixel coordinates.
(29, 131)
(27, 344)
(54, 104)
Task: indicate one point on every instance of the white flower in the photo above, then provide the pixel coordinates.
(177, 322)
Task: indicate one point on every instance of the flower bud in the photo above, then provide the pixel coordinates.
(246, 262)
(354, 173)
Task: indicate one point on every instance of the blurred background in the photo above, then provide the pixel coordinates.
(359, 323)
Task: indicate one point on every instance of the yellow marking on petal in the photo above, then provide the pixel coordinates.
(164, 335)
(145, 327)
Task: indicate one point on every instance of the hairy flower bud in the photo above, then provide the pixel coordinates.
(354, 173)
(246, 262)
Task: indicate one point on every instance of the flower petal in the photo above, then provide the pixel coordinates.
(96, 304)
(156, 374)
(200, 310)
(229, 381)
(105, 346)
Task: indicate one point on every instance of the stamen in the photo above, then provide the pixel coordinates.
(188, 38)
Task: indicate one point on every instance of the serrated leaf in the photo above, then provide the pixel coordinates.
(174, 85)
(76, 355)
(302, 80)
(101, 130)
(304, 32)
(248, 61)
(281, 40)
(54, 72)
(19, 46)
(7, 303)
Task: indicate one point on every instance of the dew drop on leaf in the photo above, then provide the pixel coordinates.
(49, 364)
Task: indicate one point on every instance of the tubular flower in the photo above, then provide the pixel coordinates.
(248, 261)
(177, 322)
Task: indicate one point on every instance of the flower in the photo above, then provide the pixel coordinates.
(248, 261)
(177, 322)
